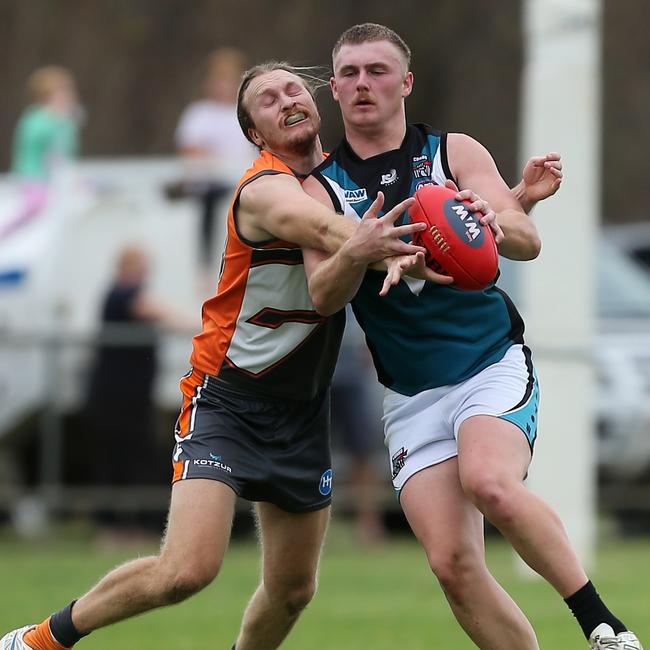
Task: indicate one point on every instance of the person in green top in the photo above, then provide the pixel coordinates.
(48, 130)
(47, 135)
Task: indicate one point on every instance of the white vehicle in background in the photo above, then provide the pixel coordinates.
(633, 239)
(623, 368)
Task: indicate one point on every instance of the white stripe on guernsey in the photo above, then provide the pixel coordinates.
(438, 173)
(348, 210)
(195, 406)
(197, 395)
(185, 468)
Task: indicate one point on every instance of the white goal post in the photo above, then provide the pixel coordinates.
(561, 111)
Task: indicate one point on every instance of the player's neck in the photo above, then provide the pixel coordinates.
(372, 140)
(303, 162)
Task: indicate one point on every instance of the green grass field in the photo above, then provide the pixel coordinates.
(382, 599)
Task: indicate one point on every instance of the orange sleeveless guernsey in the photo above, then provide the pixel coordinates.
(261, 332)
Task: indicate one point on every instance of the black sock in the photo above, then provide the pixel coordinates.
(62, 628)
(590, 611)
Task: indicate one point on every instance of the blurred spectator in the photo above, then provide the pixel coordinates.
(356, 427)
(209, 136)
(46, 136)
(120, 409)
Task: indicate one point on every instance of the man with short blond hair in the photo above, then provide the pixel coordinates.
(461, 415)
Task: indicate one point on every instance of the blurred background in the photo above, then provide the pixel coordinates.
(119, 149)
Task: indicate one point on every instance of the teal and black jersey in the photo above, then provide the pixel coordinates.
(421, 335)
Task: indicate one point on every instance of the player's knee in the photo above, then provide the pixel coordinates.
(299, 597)
(456, 572)
(184, 581)
(295, 595)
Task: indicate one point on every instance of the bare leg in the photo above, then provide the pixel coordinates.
(451, 531)
(291, 546)
(198, 531)
(493, 459)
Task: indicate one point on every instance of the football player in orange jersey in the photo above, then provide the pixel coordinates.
(255, 415)
(255, 421)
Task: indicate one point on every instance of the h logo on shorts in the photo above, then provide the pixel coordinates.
(325, 485)
(398, 460)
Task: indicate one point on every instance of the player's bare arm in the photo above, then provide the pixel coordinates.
(322, 268)
(274, 206)
(334, 280)
(475, 169)
(541, 178)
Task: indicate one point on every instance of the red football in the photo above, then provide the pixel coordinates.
(456, 242)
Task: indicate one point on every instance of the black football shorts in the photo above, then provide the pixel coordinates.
(264, 448)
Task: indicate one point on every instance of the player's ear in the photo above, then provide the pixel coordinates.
(333, 88)
(407, 85)
(255, 137)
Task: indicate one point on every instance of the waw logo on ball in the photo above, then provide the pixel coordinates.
(464, 223)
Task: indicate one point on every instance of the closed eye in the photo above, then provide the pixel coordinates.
(293, 89)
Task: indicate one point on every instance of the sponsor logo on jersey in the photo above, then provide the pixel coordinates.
(398, 460)
(421, 167)
(325, 484)
(464, 223)
(214, 461)
(356, 196)
(389, 178)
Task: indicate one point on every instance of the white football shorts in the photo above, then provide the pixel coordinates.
(421, 430)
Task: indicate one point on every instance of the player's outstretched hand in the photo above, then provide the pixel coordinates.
(542, 176)
(378, 237)
(477, 204)
(413, 265)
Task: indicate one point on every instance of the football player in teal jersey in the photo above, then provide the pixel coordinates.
(460, 407)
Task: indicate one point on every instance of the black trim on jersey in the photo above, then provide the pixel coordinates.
(274, 318)
(516, 333)
(288, 256)
(235, 205)
(531, 379)
(336, 204)
(444, 158)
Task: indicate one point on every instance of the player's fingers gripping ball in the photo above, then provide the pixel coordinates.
(457, 243)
